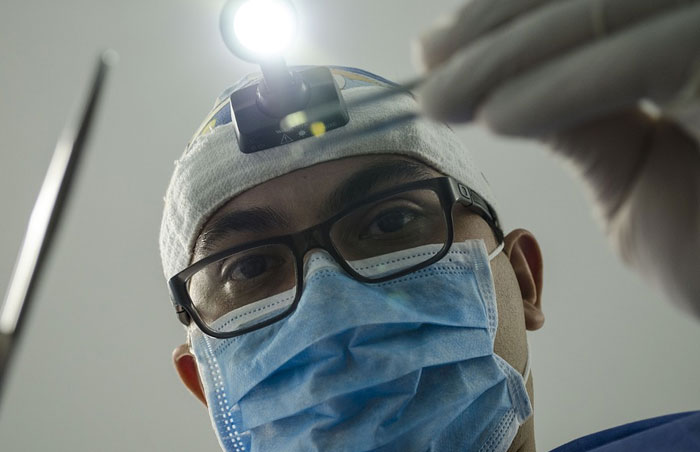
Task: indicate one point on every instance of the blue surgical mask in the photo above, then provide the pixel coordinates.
(404, 365)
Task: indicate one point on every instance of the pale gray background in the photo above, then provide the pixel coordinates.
(94, 371)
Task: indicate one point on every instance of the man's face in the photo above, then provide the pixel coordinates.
(304, 198)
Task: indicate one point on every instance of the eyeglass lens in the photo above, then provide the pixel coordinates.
(403, 221)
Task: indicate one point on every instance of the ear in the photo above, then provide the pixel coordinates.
(525, 256)
(186, 366)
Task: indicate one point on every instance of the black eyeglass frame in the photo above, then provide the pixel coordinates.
(448, 190)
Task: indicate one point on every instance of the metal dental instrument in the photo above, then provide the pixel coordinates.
(45, 218)
(314, 114)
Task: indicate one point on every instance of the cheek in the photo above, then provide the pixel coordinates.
(468, 225)
(511, 342)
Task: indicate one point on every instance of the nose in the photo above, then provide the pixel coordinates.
(311, 242)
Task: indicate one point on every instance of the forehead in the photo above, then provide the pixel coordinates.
(303, 197)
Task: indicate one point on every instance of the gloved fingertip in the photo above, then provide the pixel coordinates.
(435, 101)
(431, 47)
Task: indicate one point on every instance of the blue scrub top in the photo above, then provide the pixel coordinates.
(674, 432)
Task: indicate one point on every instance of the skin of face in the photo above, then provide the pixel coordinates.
(517, 271)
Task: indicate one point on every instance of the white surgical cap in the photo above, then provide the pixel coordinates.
(213, 170)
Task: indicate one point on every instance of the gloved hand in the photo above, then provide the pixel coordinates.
(573, 73)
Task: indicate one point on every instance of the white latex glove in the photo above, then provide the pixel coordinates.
(573, 73)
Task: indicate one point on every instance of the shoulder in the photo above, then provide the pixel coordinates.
(679, 432)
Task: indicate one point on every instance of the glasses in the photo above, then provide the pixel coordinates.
(247, 287)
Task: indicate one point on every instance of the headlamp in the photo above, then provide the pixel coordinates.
(256, 30)
(259, 31)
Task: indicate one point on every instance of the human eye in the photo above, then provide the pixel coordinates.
(250, 267)
(391, 221)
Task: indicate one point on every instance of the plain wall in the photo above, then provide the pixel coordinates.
(94, 372)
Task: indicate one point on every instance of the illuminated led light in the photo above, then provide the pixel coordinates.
(265, 27)
(318, 128)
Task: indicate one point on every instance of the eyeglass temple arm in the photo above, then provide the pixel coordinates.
(474, 201)
(176, 287)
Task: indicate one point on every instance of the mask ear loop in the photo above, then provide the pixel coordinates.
(526, 372)
(497, 251)
(189, 340)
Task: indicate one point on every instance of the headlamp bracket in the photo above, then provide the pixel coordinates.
(256, 115)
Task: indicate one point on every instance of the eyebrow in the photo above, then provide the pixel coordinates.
(255, 219)
(365, 181)
(355, 187)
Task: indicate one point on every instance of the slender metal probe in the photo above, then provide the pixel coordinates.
(45, 218)
(318, 112)
(403, 88)
(314, 114)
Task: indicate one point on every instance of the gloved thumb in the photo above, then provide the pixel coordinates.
(454, 31)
